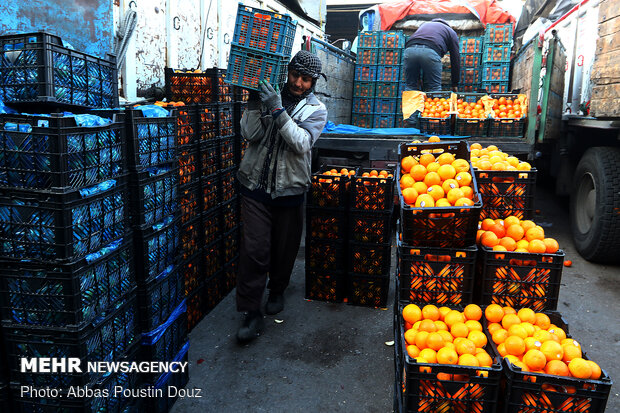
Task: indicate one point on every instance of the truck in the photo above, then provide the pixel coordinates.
(570, 71)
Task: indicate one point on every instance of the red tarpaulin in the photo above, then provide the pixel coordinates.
(488, 11)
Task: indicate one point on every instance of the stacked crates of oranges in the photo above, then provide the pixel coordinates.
(261, 47)
(544, 367)
(496, 57)
(326, 233)
(470, 49)
(369, 237)
(377, 86)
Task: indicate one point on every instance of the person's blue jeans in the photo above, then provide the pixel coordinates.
(422, 60)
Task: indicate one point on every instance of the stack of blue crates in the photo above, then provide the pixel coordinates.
(378, 79)
(470, 49)
(496, 57)
(68, 285)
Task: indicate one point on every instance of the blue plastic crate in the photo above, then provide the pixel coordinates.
(390, 56)
(368, 39)
(151, 141)
(264, 31)
(383, 120)
(387, 90)
(496, 53)
(388, 73)
(471, 60)
(362, 120)
(470, 44)
(36, 67)
(367, 56)
(54, 153)
(363, 105)
(498, 33)
(364, 89)
(392, 40)
(61, 227)
(365, 73)
(154, 194)
(496, 72)
(495, 87)
(470, 75)
(246, 67)
(385, 105)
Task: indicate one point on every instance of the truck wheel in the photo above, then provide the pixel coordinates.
(595, 205)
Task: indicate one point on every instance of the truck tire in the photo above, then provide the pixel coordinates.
(595, 205)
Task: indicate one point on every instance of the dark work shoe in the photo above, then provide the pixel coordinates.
(275, 303)
(251, 327)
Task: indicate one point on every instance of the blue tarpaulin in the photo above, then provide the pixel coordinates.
(330, 127)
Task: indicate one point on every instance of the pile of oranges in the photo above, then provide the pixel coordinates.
(344, 172)
(445, 336)
(470, 110)
(508, 108)
(436, 108)
(514, 234)
(492, 158)
(429, 181)
(530, 341)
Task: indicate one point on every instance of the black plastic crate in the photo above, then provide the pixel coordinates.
(435, 126)
(196, 306)
(207, 117)
(166, 339)
(191, 272)
(189, 166)
(362, 120)
(369, 259)
(230, 214)
(227, 153)
(151, 141)
(186, 125)
(37, 68)
(368, 290)
(240, 95)
(209, 158)
(498, 33)
(364, 89)
(264, 30)
(390, 56)
(230, 245)
(55, 153)
(95, 402)
(197, 87)
(325, 285)
(326, 223)
(190, 238)
(521, 279)
(372, 193)
(213, 292)
(369, 226)
(109, 338)
(471, 127)
(365, 73)
(551, 393)
(363, 105)
(506, 193)
(458, 388)
(169, 383)
(246, 67)
(189, 203)
(157, 247)
(445, 227)
(470, 44)
(329, 190)
(61, 226)
(367, 56)
(326, 255)
(228, 184)
(506, 128)
(73, 294)
(154, 194)
(209, 192)
(159, 297)
(225, 124)
(212, 258)
(229, 275)
(211, 225)
(440, 276)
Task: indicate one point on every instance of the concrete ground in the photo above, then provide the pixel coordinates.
(326, 357)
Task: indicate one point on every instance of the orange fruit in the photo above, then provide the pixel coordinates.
(527, 224)
(535, 360)
(434, 341)
(511, 220)
(440, 325)
(410, 195)
(552, 350)
(447, 355)
(459, 329)
(580, 368)
(410, 335)
(489, 239)
(542, 321)
(568, 263)
(412, 313)
(406, 181)
(432, 178)
(501, 349)
(499, 336)
(464, 202)
(514, 345)
(484, 359)
(537, 246)
(468, 192)
(534, 233)
(420, 187)
(432, 167)
(424, 201)
(436, 192)
(446, 171)
(454, 317)
(493, 327)
(407, 163)
(517, 330)
(552, 245)
(509, 310)
(487, 224)
(463, 178)
(596, 370)
(429, 355)
(510, 319)
(413, 351)
(468, 360)
(532, 344)
(527, 315)
(571, 351)
(428, 326)
(431, 312)
(461, 165)
(442, 202)
(454, 195)
(434, 138)
(515, 232)
(473, 312)
(420, 339)
(509, 243)
(473, 325)
(542, 335)
(443, 311)
(466, 346)
(418, 172)
(447, 337)
(426, 158)
(449, 184)
(494, 313)
(478, 338)
(553, 329)
(446, 159)
(498, 229)
(556, 368)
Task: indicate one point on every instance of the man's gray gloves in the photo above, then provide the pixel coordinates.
(269, 96)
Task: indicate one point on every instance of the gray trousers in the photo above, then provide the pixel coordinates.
(269, 247)
(422, 60)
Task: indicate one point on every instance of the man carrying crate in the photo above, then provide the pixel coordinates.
(423, 53)
(281, 128)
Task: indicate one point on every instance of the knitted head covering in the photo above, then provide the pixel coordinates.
(307, 64)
